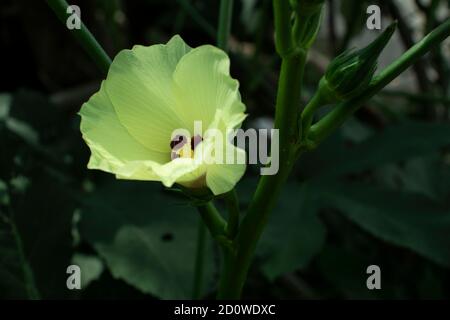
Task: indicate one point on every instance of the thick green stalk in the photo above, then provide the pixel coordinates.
(83, 35)
(269, 187)
(213, 220)
(288, 103)
(226, 272)
(232, 202)
(343, 111)
(225, 15)
(199, 261)
(282, 18)
(219, 229)
(223, 34)
(237, 263)
(251, 229)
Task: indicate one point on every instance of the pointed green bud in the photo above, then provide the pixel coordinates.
(307, 7)
(308, 17)
(351, 72)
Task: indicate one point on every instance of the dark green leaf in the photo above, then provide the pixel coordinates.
(145, 237)
(12, 285)
(392, 144)
(404, 219)
(294, 234)
(43, 217)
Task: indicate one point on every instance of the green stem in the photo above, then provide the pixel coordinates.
(213, 220)
(306, 26)
(217, 227)
(343, 111)
(237, 263)
(226, 272)
(199, 261)
(232, 202)
(223, 32)
(251, 229)
(308, 113)
(83, 35)
(288, 103)
(269, 187)
(282, 21)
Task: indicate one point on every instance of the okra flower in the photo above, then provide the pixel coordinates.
(150, 93)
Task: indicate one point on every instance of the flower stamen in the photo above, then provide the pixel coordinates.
(180, 149)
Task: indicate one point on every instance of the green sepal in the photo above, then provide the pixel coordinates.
(307, 21)
(351, 72)
(196, 197)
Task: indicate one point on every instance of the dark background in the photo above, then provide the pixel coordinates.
(376, 192)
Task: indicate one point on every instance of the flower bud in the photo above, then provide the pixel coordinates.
(307, 7)
(351, 72)
(308, 17)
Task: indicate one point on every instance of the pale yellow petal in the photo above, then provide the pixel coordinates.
(110, 143)
(222, 177)
(139, 84)
(203, 85)
(181, 170)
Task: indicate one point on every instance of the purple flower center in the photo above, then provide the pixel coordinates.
(178, 143)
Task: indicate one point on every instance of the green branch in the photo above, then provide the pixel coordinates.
(199, 261)
(282, 18)
(307, 115)
(232, 202)
(83, 36)
(343, 111)
(269, 187)
(213, 220)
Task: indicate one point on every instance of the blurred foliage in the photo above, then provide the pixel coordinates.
(151, 249)
(377, 192)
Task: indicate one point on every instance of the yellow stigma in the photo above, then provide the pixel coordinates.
(186, 152)
(183, 148)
